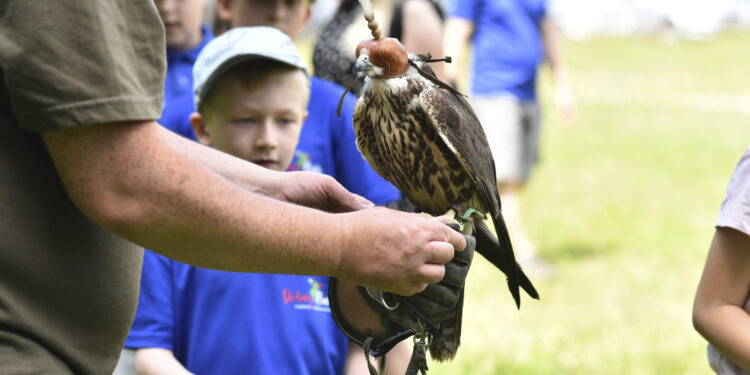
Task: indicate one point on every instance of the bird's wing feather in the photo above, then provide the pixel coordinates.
(459, 128)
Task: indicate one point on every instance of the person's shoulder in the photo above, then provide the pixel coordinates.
(734, 209)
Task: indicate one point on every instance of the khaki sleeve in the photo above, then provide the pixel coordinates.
(81, 62)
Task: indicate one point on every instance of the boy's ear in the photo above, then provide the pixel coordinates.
(223, 10)
(200, 129)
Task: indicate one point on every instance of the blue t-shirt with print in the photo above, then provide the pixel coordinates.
(219, 322)
(507, 44)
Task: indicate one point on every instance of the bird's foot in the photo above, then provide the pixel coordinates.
(465, 218)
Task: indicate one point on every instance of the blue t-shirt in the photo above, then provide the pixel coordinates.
(178, 88)
(507, 44)
(219, 322)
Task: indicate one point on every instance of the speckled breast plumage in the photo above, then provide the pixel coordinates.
(406, 150)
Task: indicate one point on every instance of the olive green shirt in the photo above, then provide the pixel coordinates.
(68, 288)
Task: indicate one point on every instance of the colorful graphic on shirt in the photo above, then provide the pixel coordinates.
(303, 162)
(313, 300)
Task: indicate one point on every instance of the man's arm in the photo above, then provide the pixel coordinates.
(563, 94)
(128, 178)
(304, 188)
(456, 34)
(718, 312)
(158, 361)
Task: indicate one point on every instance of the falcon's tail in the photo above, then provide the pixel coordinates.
(445, 343)
(499, 251)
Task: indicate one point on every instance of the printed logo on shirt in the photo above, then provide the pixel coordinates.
(312, 299)
(303, 162)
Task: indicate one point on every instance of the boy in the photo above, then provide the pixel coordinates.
(331, 145)
(186, 35)
(251, 91)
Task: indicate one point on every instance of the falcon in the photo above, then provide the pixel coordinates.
(423, 136)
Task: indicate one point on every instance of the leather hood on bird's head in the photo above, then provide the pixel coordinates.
(387, 53)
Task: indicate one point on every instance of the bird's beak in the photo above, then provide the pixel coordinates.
(361, 66)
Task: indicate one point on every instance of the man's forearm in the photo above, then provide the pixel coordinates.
(228, 166)
(304, 188)
(125, 179)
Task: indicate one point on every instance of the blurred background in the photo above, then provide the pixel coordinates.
(624, 200)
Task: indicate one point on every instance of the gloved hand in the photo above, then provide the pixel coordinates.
(388, 318)
(438, 301)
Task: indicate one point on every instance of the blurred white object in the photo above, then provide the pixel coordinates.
(695, 19)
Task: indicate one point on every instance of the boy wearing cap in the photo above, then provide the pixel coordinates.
(331, 144)
(251, 91)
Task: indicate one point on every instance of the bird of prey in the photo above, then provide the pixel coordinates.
(423, 136)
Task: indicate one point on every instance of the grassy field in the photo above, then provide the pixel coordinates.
(623, 204)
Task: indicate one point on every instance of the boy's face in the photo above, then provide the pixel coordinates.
(182, 22)
(289, 16)
(261, 125)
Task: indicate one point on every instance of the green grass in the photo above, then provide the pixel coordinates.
(623, 204)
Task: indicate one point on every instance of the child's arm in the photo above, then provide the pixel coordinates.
(158, 361)
(718, 312)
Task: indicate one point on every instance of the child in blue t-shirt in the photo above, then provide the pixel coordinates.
(251, 93)
(185, 35)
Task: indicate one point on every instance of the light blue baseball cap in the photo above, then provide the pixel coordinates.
(238, 45)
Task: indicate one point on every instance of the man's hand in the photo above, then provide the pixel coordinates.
(438, 301)
(315, 190)
(395, 251)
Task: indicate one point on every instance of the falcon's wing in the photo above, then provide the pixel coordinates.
(459, 128)
(366, 142)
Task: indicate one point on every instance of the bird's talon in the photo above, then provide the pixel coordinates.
(472, 214)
